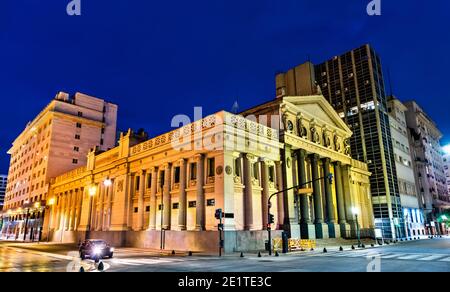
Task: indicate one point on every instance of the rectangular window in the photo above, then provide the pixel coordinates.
(177, 175)
(77, 137)
(193, 171)
(175, 206)
(161, 179)
(75, 161)
(159, 207)
(147, 209)
(211, 202)
(80, 114)
(192, 204)
(79, 125)
(271, 173)
(237, 168)
(136, 209)
(76, 149)
(138, 182)
(255, 170)
(211, 166)
(101, 142)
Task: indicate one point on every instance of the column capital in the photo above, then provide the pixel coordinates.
(198, 157)
(249, 156)
(153, 169)
(315, 157)
(166, 165)
(181, 161)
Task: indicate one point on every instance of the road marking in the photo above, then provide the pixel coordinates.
(391, 256)
(432, 257)
(445, 260)
(411, 257)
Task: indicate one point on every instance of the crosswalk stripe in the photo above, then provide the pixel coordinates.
(431, 258)
(445, 260)
(410, 257)
(391, 256)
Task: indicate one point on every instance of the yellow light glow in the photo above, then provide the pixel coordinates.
(355, 211)
(92, 191)
(51, 202)
(37, 205)
(107, 182)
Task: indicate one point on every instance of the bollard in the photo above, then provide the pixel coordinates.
(341, 249)
(242, 254)
(190, 253)
(312, 249)
(101, 267)
(372, 245)
(173, 252)
(259, 254)
(81, 270)
(363, 246)
(277, 254)
(353, 247)
(325, 250)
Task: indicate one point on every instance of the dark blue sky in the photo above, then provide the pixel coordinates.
(160, 58)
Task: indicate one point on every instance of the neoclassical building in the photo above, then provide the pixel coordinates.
(164, 191)
(316, 145)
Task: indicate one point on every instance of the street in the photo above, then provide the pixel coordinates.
(414, 256)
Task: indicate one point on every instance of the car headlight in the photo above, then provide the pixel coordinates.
(111, 249)
(97, 250)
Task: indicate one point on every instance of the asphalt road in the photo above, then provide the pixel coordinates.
(418, 256)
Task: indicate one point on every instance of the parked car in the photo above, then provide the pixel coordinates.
(95, 249)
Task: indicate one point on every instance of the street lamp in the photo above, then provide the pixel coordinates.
(107, 182)
(355, 212)
(297, 188)
(92, 193)
(51, 202)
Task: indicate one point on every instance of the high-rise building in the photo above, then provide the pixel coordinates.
(56, 141)
(3, 183)
(353, 84)
(412, 208)
(429, 165)
(446, 150)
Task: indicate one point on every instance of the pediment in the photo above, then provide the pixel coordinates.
(318, 108)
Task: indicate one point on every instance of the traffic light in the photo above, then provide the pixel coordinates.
(271, 219)
(218, 214)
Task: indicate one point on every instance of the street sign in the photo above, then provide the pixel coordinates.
(306, 191)
(228, 215)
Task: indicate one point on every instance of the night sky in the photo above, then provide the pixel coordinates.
(156, 59)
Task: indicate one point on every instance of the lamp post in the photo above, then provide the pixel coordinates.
(92, 192)
(355, 212)
(51, 202)
(297, 188)
(26, 220)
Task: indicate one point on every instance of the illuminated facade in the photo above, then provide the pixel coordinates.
(354, 86)
(56, 141)
(429, 166)
(412, 207)
(3, 183)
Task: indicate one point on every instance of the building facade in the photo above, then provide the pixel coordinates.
(163, 192)
(429, 166)
(412, 208)
(56, 141)
(353, 84)
(316, 145)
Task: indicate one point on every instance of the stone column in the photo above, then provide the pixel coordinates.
(182, 197)
(109, 195)
(200, 216)
(342, 220)
(141, 211)
(167, 199)
(265, 193)
(62, 212)
(248, 193)
(307, 229)
(74, 209)
(317, 195)
(280, 199)
(333, 228)
(153, 207)
(101, 198)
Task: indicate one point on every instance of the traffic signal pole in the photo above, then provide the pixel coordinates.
(269, 205)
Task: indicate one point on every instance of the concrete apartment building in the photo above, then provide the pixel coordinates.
(56, 141)
(353, 84)
(412, 208)
(429, 165)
